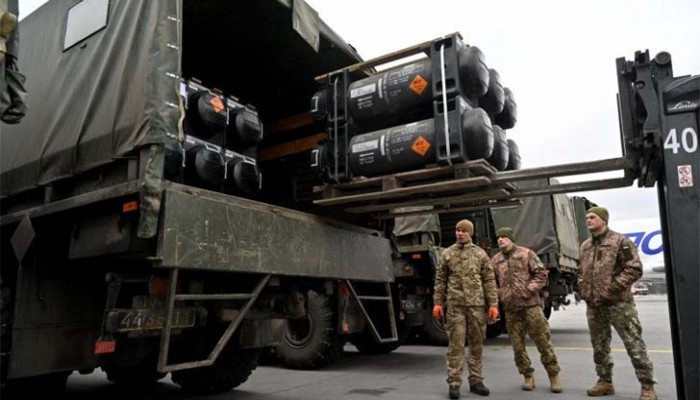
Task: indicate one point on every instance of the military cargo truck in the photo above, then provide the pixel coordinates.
(546, 224)
(137, 233)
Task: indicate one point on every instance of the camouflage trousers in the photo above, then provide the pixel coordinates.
(624, 318)
(465, 323)
(531, 321)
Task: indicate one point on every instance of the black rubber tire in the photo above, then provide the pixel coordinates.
(493, 101)
(513, 156)
(433, 330)
(231, 368)
(311, 342)
(507, 118)
(366, 344)
(135, 376)
(499, 158)
(478, 134)
(496, 329)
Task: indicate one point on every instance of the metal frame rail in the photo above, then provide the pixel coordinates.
(163, 365)
(390, 305)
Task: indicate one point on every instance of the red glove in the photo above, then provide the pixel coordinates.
(438, 312)
(493, 313)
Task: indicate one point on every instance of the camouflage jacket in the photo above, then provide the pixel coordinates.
(609, 266)
(520, 276)
(465, 277)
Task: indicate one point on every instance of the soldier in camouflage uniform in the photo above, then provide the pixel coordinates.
(520, 276)
(465, 277)
(609, 266)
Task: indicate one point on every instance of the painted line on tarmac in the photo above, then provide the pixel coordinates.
(614, 350)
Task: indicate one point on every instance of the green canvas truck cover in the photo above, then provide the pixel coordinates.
(545, 224)
(102, 75)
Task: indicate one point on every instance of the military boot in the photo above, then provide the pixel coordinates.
(454, 392)
(529, 383)
(602, 388)
(555, 384)
(648, 393)
(479, 389)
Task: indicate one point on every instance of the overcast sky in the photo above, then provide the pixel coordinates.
(558, 58)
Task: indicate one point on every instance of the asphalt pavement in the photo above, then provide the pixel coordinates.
(418, 371)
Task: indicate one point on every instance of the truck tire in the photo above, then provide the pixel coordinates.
(230, 369)
(134, 376)
(311, 342)
(496, 329)
(434, 330)
(366, 344)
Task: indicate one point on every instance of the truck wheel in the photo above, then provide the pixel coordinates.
(366, 344)
(434, 330)
(496, 329)
(230, 369)
(311, 342)
(135, 376)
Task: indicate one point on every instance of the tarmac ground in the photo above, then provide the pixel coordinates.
(418, 371)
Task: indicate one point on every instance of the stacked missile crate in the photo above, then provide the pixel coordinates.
(446, 111)
(219, 144)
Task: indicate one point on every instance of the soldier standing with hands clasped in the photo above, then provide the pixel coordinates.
(520, 276)
(465, 277)
(609, 266)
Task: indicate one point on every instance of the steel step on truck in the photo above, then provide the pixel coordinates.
(145, 227)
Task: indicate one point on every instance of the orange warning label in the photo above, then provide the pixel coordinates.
(217, 104)
(418, 84)
(421, 146)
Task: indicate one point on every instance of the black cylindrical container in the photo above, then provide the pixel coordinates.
(478, 134)
(205, 115)
(412, 146)
(242, 176)
(400, 148)
(513, 156)
(204, 166)
(244, 128)
(475, 79)
(403, 90)
(172, 164)
(492, 101)
(509, 116)
(499, 158)
(397, 91)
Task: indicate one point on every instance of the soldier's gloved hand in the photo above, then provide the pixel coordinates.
(438, 312)
(493, 313)
(616, 287)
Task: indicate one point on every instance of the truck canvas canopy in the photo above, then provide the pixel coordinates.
(107, 83)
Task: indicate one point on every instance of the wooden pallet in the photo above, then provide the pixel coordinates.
(467, 186)
(458, 185)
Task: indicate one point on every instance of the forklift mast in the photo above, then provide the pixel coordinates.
(659, 121)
